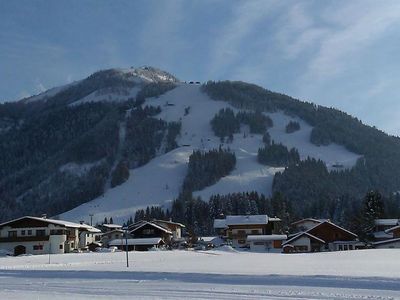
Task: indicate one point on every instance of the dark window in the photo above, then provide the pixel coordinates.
(22, 232)
(61, 246)
(29, 232)
(12, 233)
(38, 247)
(40, 232)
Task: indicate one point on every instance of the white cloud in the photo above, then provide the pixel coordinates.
(339, 46)
(245, 16)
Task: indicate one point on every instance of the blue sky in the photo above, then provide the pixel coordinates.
(342, 54)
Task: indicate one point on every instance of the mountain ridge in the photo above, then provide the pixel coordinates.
(164, 120)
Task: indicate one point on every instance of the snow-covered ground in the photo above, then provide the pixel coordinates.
(159, 181)
(364, 274)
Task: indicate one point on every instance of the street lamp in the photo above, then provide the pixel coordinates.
(126, 246)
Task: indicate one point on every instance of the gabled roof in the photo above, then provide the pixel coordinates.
(392, 229)
(55, 222)
(387, 222)
(387, 241)
(307, 220)
(111, 226)
(170, 222)
(300, 235)
(334, 225)
(220, 223)
(151, 224)
(309, 234)
(246, 220)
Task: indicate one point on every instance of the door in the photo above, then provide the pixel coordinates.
(18, 250)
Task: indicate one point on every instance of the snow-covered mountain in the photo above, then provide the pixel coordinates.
(160, 181)
(133, 80)
(108, 145)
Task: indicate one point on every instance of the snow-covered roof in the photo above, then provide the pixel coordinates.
(220, 223)
(169, 222)
(392, 229)
(53, 221)
(91, 229)
(151, 224)
(387, 241)
(334, 225)
(268, 237)
(112, 226)
(144, 241)
(382, 234)
(300, 235)
(308, 220)
(387, 222)
(247, 220)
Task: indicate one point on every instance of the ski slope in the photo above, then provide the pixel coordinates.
(159, 181)
(361, 274)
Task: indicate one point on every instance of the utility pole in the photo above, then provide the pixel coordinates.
(91, 219)
(126, 246)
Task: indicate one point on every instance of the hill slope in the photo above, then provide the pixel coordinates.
(121, 140)
(161, 179)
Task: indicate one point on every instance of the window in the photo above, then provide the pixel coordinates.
(29, 232)
(12, 233)
(340, 247)
(37, 247)
(40, 232)
(22, 232)
(61, 246)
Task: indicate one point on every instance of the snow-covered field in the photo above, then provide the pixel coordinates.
(364, 274)
(159, 181)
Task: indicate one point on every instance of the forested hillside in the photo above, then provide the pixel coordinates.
(55, 156)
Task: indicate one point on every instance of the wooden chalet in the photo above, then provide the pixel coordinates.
(382, 229)
(393, 242)
(324, 236)
(144, 235)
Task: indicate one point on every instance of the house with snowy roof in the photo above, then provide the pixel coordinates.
(40, 235)
(323, 236)
(387, 234)
(382, 229)
(257, 232)
(144, 235)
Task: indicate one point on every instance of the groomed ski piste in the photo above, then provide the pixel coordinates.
(159, 181)
(216, 274)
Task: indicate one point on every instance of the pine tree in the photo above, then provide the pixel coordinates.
(373, 209)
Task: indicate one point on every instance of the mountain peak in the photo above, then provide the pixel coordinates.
(149, 74)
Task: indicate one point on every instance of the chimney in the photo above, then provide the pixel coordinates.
(44, 216)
